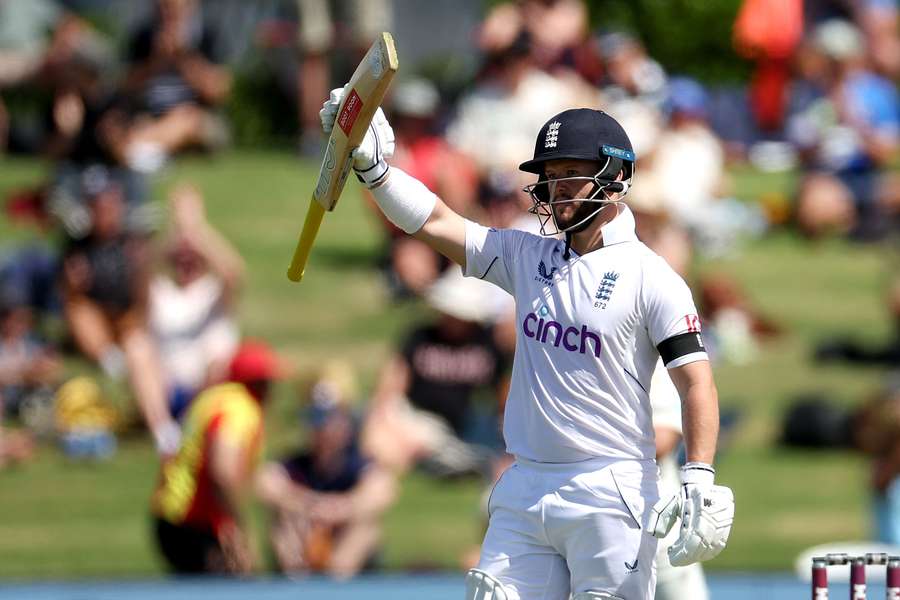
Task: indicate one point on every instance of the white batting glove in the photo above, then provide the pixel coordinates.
(378, 144)
(706, 511)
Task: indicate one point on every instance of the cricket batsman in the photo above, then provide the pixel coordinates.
(579, 512)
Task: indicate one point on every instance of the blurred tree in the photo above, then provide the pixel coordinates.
(691, 37)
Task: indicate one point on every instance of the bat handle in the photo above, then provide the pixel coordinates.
(307, 237)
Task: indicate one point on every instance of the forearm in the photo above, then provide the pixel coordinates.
(275, 488)
(221, 256)
(412, 207)
(210, 81)
(374, 495)
(700, 421)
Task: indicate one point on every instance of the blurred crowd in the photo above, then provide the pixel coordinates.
(145, 292)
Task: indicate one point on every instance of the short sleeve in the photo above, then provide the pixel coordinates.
(241, 422)
(489, 252)
(671, 316)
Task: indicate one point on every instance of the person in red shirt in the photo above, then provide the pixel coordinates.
(199, 503)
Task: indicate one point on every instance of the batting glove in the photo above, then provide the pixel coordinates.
(706, 511)
(378, 144)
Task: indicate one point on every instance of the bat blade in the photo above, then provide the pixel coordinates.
(365, 92)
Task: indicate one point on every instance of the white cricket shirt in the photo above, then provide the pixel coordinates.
(586, 339)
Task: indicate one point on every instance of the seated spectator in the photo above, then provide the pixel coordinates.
(105, 281)
(199, 506)
(558, 27)
(85, 420)
(633, 90)
(191, 307)
(496, 120)
(40, 42)
(688, 149)
(423, 408)
(327, 501)
(174, 82)
(422, 152)
(845, 138)
(29, 369)
(29, 273)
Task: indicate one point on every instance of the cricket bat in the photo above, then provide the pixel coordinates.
(365, 92)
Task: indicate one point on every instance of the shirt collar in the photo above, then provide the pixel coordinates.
(620, 229)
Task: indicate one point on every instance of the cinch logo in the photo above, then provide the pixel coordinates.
(553, 332)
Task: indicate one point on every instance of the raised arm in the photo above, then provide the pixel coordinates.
(403, 199)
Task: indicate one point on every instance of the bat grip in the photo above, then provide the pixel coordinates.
(307, 237)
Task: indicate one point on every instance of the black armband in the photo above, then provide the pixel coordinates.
(680, 345)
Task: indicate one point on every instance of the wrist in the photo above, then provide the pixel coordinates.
(374, 175)
(697, 473)
(404, 200)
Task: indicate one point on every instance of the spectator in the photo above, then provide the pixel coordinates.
(192, 307)
(327, 502)
(40, 42)
(880, 22)
(421, 151)
(175, 82)
(318, 38)
(688, 149)
(504, 109)
(29, 274)
(200, 504)
(29, 369)
(558, 29)
(423, 405)
(105, 284)
(634, 89)
(846, 138)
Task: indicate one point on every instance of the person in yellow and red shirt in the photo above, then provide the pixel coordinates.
(197, 506)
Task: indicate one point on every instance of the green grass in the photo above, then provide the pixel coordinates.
(73, 520)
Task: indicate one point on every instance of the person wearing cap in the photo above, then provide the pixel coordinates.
(579, 512)
(328, 500)
(199, 505)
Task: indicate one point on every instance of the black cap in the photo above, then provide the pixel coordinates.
(579, 133)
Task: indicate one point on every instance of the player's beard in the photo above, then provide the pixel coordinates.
(569, 213)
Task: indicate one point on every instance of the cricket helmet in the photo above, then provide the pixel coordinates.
(580, 134)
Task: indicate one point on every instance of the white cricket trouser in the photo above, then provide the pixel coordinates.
(557, 529)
